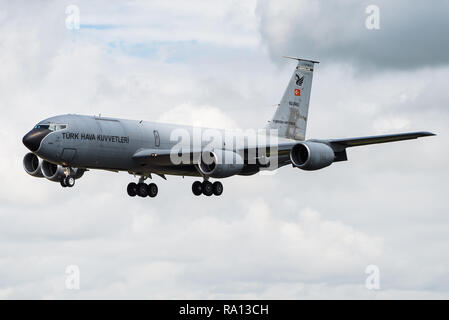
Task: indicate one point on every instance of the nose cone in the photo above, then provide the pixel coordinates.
(32, 140)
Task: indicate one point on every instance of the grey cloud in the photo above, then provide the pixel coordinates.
(411, 35)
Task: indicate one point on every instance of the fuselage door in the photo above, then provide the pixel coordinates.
(113, 142)
(112, 134)
(68, 155)
(157, 138)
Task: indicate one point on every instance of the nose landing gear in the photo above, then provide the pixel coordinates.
(207, 188)
(68, 181)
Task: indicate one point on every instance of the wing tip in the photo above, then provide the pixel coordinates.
(427, 134)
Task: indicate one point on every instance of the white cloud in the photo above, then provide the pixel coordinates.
(198, 116)
(210, 256)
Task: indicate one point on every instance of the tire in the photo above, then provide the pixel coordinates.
(63, 183)
(152, 190)
(69, 181)
(132, 189)
(208, 189)
(142, 190)
(217, 187)
(197, 188)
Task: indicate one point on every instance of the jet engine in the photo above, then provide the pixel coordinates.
(220, 164)
(311, 155)
(52, 171)
(32, 165)
(56, 173)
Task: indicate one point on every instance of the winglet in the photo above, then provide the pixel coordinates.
(299, 59)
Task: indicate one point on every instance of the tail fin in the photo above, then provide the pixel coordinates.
(290, 118)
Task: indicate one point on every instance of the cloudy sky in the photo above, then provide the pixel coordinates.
(294, 234)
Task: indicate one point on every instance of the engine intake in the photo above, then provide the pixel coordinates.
(312, 155)
(220, 164)
(32, 165)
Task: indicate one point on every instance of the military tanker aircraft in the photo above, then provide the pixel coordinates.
(64, 147)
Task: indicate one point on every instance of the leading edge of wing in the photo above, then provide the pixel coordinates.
(362, 141)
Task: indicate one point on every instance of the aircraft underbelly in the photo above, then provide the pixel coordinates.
(183, 170)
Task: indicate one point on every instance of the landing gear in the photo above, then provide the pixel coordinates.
(152, 190)
(132, 189)
(207, 188)
(217, 188)
(142, 189)
(197, 188)
(68, 182)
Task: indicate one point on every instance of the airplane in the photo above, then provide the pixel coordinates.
(64, 147)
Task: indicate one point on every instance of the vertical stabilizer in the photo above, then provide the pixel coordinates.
(290, 118)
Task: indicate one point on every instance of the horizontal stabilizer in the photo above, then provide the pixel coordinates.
(300, 59)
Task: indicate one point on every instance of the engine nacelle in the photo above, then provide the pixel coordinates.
(32, 165)
(220, 164)
(54, 172)
(311, 155)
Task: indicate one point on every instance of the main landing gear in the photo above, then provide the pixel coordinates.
(207, 188)
(142, 189)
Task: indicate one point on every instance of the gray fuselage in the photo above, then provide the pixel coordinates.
(92, 142)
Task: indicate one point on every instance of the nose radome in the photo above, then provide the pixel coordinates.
(32, 140)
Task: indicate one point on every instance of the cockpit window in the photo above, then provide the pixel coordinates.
(56, 127)
(51, 126)
(42, 126)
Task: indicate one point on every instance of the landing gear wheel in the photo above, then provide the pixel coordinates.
(208, 190)
(152, 190)
(217, 188)
(63, 183)
(132, 189)
(142, 190)
(69, 181)
(197, 188)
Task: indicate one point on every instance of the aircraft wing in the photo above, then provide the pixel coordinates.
(362, 141)
(161, 157)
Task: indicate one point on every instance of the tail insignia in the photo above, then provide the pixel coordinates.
(299, 80)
